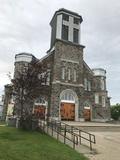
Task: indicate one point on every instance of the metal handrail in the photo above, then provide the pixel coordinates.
(57, 126)
(91, 137)
(57, 129)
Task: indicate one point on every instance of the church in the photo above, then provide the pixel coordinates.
(77, 92)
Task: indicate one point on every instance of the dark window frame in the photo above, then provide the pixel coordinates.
(76, 20)
(65, 17)
(75, 35)
(65, 32)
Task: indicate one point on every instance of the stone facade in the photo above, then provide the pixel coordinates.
(71, 79)
(71, 57)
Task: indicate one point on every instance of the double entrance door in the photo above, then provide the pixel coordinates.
(67, 111)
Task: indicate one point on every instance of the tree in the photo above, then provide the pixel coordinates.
(115, 111)
(28, 83)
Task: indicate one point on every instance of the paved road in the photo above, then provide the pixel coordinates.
(108, 142)
(107, 147)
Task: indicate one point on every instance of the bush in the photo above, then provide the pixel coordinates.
(115, 112)
(26, 123)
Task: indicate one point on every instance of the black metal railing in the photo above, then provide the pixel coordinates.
(82, 135)
(68, 132)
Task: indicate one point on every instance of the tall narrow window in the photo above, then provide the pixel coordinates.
(64, 32)
(75, 35)
(103, 101)
(85, 84)
(69, 74)
(63, 73)
(89, 85)
(96, 98)
(75, 75)
(102, 84)
(48, 79)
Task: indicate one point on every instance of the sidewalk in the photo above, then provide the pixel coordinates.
(107, 146)
(2, 125)
(90, 124)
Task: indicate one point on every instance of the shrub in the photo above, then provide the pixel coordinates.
(115, 112)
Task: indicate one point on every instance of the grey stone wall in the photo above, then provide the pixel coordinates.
(55, 98)
(71, 57)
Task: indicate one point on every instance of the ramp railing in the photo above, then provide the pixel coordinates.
(68, 132)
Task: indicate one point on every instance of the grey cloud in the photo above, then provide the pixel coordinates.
(24, 26)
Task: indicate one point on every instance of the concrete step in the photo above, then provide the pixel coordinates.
(95, 127)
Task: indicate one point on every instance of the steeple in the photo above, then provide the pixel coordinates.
(65, 25)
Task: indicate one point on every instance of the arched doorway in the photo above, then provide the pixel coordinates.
(68, 108)
(87, 111)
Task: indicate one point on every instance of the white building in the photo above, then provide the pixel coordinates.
(1, 109)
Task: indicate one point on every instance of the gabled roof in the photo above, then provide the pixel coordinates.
(87, 67)
(45, 57)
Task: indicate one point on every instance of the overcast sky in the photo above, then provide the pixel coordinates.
(24, 27)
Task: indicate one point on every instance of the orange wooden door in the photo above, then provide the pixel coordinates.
(87, 114)
(39, 111)
(67, 111)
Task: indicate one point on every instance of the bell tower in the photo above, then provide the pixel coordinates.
(65, 25)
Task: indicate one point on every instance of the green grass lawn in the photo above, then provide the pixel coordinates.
(20, 145)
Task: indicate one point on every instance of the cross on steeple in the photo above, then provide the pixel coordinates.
(65, 26)
(71, 26)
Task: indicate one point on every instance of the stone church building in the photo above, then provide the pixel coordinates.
(77, 92)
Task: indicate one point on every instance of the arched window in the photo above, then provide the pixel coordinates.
(87, 104)
(40, 101)
(68, 96)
